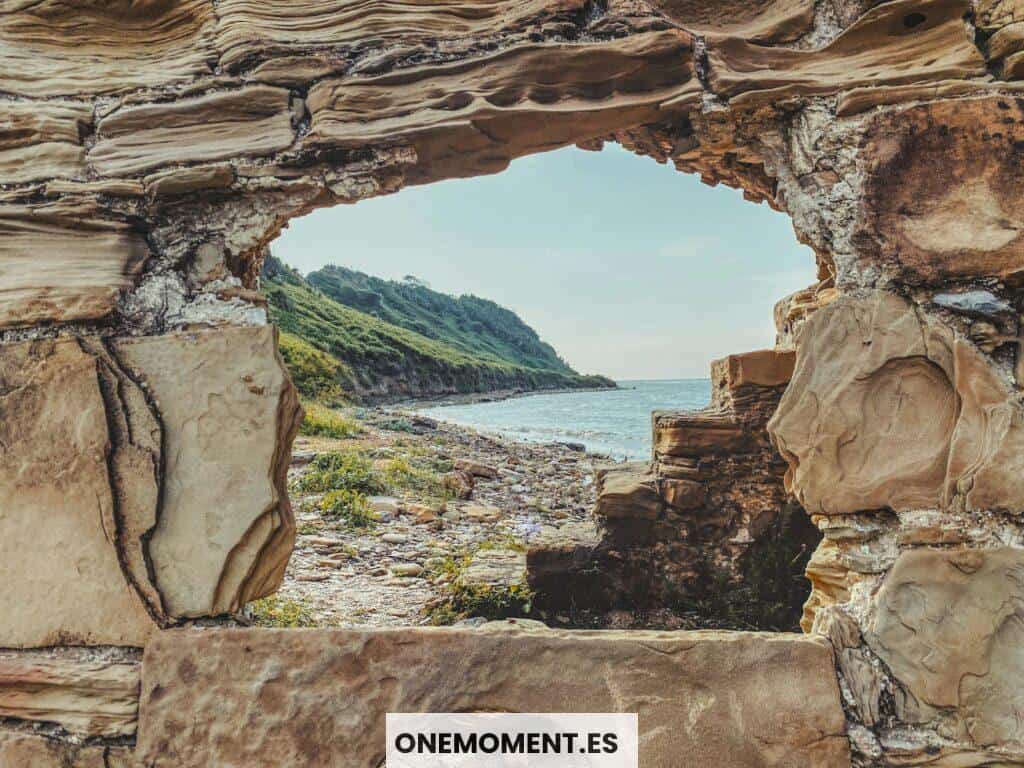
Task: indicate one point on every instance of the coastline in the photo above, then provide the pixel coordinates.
(495, 396)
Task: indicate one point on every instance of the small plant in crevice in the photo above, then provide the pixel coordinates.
(488, 601)
(350, 507)
(279, 613)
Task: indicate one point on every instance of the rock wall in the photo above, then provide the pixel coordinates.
(150, 150)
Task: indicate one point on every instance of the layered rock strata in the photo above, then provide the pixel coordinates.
(681, 530)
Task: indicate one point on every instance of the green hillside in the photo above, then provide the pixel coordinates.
(336, 352)
(470, 324)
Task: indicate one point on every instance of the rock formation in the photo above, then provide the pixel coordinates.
(150, 150)
(117, 457)
(687, 528)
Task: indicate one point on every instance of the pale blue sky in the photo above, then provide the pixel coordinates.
(627, 267)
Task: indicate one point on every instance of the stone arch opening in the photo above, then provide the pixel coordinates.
(134, 208)
(702, 537)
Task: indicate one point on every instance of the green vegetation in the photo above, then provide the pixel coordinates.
(492, 602)
(441, 345)
(322, 421)
(467, 323)
(353, 475)
(400, 475)
(316, 374)
(349, 506)
(281, 614)
(341, 471)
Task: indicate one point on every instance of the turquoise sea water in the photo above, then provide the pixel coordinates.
(613, 422)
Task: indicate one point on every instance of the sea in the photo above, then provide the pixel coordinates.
(612, 422)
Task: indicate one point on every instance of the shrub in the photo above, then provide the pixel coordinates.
(282, 614)
(324, 422)
(349, 506)
(341, 470)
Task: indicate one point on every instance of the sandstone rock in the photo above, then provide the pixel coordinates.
(407, 570)
(42, 141)
(481, 512)
(921, 235)
(481, 108)
(229, 413)
(627, 491)
(887, 45)
(56, 48)
(683, 494)
(178, 181)
(253, 121)
(278, 26)
(88, 698)
(61, 581)
(125, 431)
(744, 700)
(763, 21)
(764, 368)
(495, 568)
(906, 376)
(24, 750)
(698, 433)
(950, 626)
(476, 468)
(42, 283)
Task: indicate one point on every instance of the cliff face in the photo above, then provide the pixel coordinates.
(335, 350)
(149, 151)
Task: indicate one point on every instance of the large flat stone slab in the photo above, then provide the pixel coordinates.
(319, 698)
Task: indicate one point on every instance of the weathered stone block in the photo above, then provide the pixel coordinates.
(319, 698)
(229, 413)
(950, 626)
(63, 262)
(628, 491)
(60, 578)
(85, 696)
(907, 417)
(140, 483)
(699, 433)
(763, 368)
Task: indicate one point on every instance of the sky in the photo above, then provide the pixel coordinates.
(627, 267)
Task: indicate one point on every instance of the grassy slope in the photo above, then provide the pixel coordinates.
(473, 325)
(334, 351)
